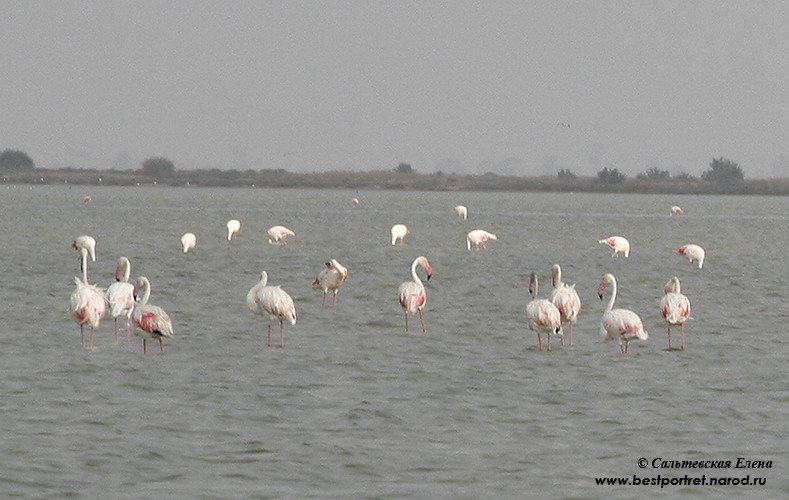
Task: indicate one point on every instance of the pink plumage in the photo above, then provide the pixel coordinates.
(272, 301)
(87, 304)
(675, 309)
(619, 324)
(542, 315)
(618, 244)
(566, 299)
(331, 278)
(151, 322)
(120, 296)
(412, 294)
(276, 235)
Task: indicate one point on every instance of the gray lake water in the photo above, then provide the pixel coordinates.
(354, 407)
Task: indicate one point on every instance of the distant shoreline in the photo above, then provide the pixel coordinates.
(389, 180)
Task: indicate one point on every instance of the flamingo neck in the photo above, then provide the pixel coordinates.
(126, 270)
(84, 266)
(610, 305)
(415, 276)
(146, 293)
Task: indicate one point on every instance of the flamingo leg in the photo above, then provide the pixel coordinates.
(571, 334)
(116, 330)
(669, 337)
(144, 347)
(92, 331)
(128, 330)
(334, 300)
(682, 336)
(549, 341)
(422, 320)
(82, 336)
(406, 321)
(161, 345)
(539, 341)
(323, 302)
(281, 333)
(269, 335)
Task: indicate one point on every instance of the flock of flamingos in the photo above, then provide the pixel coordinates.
(88, 303)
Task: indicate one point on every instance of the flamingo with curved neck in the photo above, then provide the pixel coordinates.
(412, 293)
(151, 322)
(87, 303)
(120, 296)
(621, 324)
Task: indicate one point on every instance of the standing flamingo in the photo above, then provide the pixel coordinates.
(461, 211)
(694, 253)
(275, 302)
(87, 304)
(478, 237)
(86, 242)
(566, 299)
(188, 241)
(120, 296)
(618, 244)
(675, 309)
(152, 321)
(676, 210)
(233, 228)
(330, 278)
(542, 315)
(399, 232)
(276, 235)
(621, 324)
(412, 293)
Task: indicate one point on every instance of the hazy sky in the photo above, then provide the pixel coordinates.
(512, 87)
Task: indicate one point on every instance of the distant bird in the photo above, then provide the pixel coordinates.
(694, 253)
(330, 278)
(411, 294)
(461, 211)
(563, 125)
(355, 202)
(233, 228)
(566, 299)
(619, 324)
(274, 302)
(86, 242)
(618, 244)
(87, 304)
(151, 322)
(399, 232)
(542, 315)
(675, 210)
(276, 235)
(120, 296)
(188, 241)
(675, 309)
(478, 237)
(86, 200)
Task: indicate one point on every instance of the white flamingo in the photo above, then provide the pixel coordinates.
(566, 299)
(618, 244)
(399, 232)
(86, 242)
(120, 296)
(412, 294)
(188, 241)
(355, 202)
(619, 324)
(276, 235)
(694, 253)
(676, 210)
(477, 238)
(272, 301)
(233, 228)
(542, 315)
(461, 211)
(675, 309)
(330, 278)
(151, 322)
(87, 304)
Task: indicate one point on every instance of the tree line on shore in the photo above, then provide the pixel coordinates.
(723, 177)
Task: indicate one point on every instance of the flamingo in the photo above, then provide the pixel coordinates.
(618, 244)
(188, 241)
(399, 232)
(693, 253)
(330, 278)
(87, 304)
(622, 324)
(542, 315)
(86, 200)
(675, 309)
(675, 210)
(478, 237)
(275, 302)
(412, 293)
(86, 242)
(461, 211)
(120, 296)
(276, 235)
(355, 202)
(152, 321)
(233, 228)
(566, 299)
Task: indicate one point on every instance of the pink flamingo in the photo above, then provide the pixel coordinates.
(542, 315)
(461, 211)
(694, 253)
(676, 210)
(478, 237)
(412, 293)
(618, 244)
(566, 299)
(120, 296)
(151, 322)
(188, 241)
(621, 324)
(87, 304)
(675, 309)
(330, 278)
(233, 228)
(274, 302)
(276, 235)
(399, 232)
(86, 242)
(355, 202)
